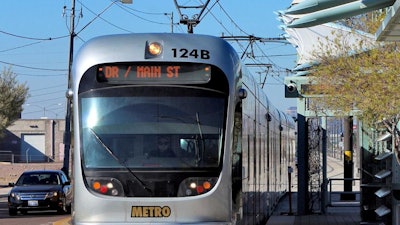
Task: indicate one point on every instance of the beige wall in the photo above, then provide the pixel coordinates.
(53, 131)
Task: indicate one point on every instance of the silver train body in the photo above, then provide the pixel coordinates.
(231, 147)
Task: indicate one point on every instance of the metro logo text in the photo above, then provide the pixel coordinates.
(150, 211)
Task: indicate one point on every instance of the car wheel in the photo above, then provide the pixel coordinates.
(63, 208)
(12, 211)
(69, 209)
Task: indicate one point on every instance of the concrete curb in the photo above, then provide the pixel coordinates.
(66, 221)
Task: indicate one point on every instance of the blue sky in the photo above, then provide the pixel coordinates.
(35, 39)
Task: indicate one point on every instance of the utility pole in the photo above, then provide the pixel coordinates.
(172, 21)
(67, 132)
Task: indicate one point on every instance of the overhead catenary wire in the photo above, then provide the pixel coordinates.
(230, 18)
(223, 20)
(97, 16)
(106, 21)
(252, 41)
(129, 9)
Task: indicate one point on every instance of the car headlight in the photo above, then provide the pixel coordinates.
(52, 195)
(15, 195)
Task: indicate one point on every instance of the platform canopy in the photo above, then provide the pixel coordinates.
(390, 27)
(309, 41)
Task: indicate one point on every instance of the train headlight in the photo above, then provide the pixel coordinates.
(196, 186)
(106, 186)
(153, 49)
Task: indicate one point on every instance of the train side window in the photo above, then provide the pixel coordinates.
(237, 137)
(237, 158)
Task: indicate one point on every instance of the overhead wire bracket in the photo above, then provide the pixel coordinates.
(195, 19)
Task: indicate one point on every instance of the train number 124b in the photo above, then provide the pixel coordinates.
(193, 53)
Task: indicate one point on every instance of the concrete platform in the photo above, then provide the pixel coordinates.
(344, 215)
(339, 213)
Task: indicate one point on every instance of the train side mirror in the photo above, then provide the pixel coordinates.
(242, 93)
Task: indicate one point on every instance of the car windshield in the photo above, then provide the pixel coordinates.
(38, 179)
(152, 128)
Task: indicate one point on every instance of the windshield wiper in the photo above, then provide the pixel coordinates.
(198, 155)
(111, 153)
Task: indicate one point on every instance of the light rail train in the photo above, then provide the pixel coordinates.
(172, 129)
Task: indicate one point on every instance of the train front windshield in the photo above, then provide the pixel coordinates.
(151, 140)
(147, 131)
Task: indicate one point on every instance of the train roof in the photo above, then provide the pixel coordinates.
(131, 47)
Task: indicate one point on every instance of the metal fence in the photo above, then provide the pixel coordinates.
(336, 189)
(7, 156)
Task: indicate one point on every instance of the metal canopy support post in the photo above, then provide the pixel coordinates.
(302, 163)
(324, 187)
(348, 164)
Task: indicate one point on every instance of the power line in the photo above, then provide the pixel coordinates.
(47, 88)
(47, 100)
(41, 75)
(30, 67)
(121, 5)
(232, 21)
(22, 46)
(34, 38)
(98, 15)
(252, 40)
(118, 27)
(47, 93)
(126, 9)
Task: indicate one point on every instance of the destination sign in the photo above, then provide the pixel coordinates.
(161, 73)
